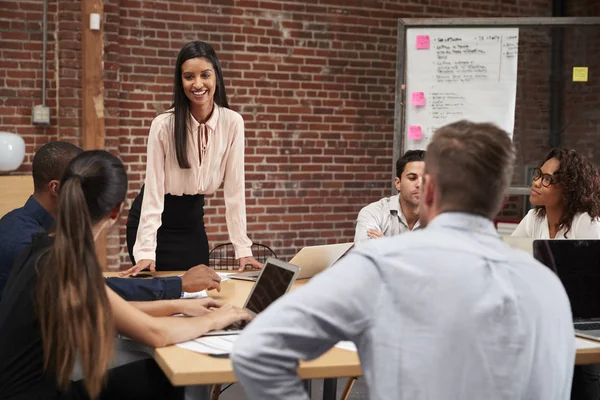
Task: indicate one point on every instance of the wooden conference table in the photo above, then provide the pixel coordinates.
(186, 368)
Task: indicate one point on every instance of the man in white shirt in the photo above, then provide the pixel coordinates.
(447, 312)
(397, 214)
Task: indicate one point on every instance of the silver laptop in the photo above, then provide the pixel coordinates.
(576, 264)
(311, 260)
(275, 279)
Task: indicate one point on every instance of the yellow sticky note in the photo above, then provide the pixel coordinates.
(580, 74)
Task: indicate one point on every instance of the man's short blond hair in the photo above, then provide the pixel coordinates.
(472, 164)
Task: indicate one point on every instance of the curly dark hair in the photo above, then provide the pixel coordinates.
(580, 183)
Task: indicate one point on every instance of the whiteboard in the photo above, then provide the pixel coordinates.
(458, 73)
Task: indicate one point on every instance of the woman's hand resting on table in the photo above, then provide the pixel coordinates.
(251, 261)
(139, 266)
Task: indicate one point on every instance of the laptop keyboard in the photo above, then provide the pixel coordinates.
(236, 326)
(587, 326)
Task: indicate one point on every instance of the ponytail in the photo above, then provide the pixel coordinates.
(74, 312)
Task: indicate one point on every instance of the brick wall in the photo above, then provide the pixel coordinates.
(314, 81)
(21, 72)
(581, 112)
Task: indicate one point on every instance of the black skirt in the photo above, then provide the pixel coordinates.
(181, 240)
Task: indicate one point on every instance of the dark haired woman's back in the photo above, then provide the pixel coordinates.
(57, 310)
(21, 349)
(22, 374)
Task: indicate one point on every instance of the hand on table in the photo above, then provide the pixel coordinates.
(140, 266)
(200, 278)
(374, 234)
(249, 261)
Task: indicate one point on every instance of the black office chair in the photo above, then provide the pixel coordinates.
(222, 257)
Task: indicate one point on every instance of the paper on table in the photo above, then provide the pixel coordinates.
(194, 295)
(586, 344)
(224, 345)
(224, 275)
(346, 345)
(210, 344)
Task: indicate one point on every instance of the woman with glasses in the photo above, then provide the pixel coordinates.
(566, 194)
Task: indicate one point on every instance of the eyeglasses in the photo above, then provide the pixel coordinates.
(547, 179)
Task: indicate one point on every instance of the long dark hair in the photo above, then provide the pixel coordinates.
(580, 183)
(75, 315)
(181, 104)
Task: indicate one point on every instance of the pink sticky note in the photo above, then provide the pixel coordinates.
(418, 99)
(422, 42)
(415, 132)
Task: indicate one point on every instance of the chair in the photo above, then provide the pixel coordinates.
(222, 257)
(348, 388)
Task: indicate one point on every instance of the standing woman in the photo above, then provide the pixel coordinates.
(193, 147)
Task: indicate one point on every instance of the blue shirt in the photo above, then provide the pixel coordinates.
(18, 226)
(446, 312)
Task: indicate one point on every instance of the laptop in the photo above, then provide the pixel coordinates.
(521, 243)
(315, 259)
(311, 260)
(275, 279)
(576, 262)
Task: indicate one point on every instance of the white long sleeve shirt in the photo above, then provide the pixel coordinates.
(536, 227)
(385, 215)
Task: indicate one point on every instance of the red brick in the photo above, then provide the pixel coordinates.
(297, 71)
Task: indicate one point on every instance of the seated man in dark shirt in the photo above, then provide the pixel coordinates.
(36, 216)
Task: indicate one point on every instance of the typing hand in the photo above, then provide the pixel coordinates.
(227, 315)
(374, 234)
(249, 261)
(200, 278)
(140, 266)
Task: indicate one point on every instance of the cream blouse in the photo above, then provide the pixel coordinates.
(536, 227)
(222, 155)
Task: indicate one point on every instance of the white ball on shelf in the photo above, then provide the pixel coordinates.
(12, 151)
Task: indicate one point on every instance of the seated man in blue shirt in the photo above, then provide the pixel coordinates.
(17, 227)
(449, 311)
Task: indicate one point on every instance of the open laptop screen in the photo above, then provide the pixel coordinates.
(577, 264)
(272, 283)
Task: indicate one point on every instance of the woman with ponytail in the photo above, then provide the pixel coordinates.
(56, 308)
